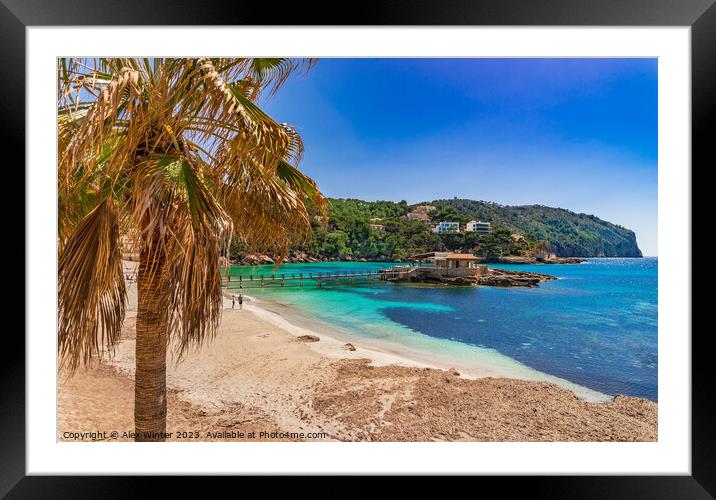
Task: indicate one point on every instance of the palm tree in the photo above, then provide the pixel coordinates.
(174, 156)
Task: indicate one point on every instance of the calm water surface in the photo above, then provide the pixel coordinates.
(596, 326)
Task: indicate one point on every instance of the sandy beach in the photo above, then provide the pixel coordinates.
(261, 379)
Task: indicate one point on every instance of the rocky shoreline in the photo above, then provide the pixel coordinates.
(482, 277)
(295, 258)
(505, 278)
(304, 258)
(531, 260)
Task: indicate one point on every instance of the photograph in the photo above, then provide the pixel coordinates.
(357, 249)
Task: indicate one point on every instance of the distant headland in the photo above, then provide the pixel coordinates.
(358, 230)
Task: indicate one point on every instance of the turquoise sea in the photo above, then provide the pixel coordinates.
(596, 326)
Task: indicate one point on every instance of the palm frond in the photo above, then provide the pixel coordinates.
(172, 156)
(195, 301)
(272, 73)
(302, 184)
(267, 215)
(91, 291)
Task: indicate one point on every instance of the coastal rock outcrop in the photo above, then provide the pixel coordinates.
(504, 278)
(308, 338)
(484, 276)
(298, 257)
(255, 260)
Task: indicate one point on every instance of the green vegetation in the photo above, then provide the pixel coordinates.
(519, 230)
(348, 232)
(568, 234)
(165, 159)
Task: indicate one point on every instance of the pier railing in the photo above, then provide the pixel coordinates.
(319, 279)
(396, 273)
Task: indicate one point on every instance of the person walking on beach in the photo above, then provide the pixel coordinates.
(233, 301)
(241, 301)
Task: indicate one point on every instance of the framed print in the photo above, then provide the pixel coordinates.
(439, 240)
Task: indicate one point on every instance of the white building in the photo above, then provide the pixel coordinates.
(479, 227)
(447, 228)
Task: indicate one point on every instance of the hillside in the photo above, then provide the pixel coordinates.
(386, 230)
(569, 234)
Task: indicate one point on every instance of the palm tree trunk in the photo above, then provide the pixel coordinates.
(150, 387)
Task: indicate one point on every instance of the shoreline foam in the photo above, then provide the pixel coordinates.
(256, 375)
(485, 363)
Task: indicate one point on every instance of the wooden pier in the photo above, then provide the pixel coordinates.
(243, 281)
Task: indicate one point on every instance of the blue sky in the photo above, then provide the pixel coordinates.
(579, 134)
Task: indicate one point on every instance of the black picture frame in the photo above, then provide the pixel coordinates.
(700, 15)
